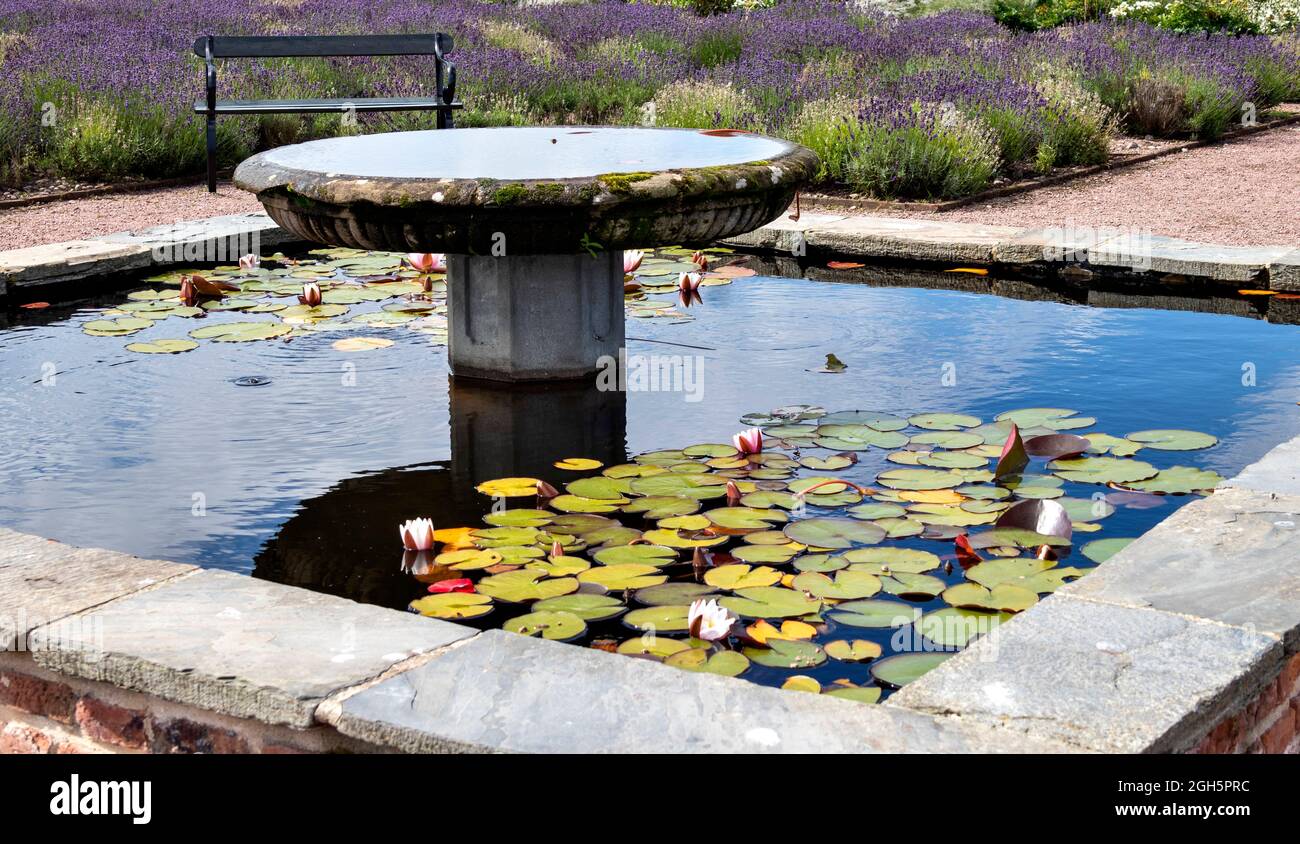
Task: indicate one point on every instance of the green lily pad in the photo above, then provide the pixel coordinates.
(861, 694)
(666, 594)
(857, 650)
(1103, 470)
(822, 532)
(1172, 439)
(724, 663)
(1056, 418)
(453, 605)
(915, 586)
(1178, 480)
(899, 670)
(956, 628)
(833, 463)
(599, 487)
(767, 498)
(947, 439)
(741, 576)
(847, 585)
(162, 347)
(1101, 550)
(663, 506)
(782, 653)
(1037, 576)
(680, 485)
(241, 332)
(655, 647)
(951, 460)
(1087, 509)
(875, 613)
(745, 518)
(580, 504)
(514, 535)
(870, 418)
(943, 421)
(764, 553)
(645, 555)
(559, 626)
(585, 606)
(920, 479)
(519, 518)
(1116, 446)
(770, 602)
(709, 450)
(623, 576)
(670, 618)
(522, 585)
(820, 562)
(1004, 597)
(872, 510)
(115, 327)
(890, 560)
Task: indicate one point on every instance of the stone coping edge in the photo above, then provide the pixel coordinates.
(1146, 654)
(224, 239)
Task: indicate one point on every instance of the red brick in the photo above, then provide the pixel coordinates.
(20, 738)
(182, 735)
(1276, 738)
(1290, 674)
(1223, 738)
(109, 724)
(31, 694)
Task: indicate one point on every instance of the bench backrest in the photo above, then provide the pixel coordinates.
(298, 46)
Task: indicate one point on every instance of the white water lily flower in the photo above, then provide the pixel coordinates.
(632, 260)
(709, 621)
(417, 534)
(748, 442)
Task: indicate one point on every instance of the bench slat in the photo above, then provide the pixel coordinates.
(294, 46)
(323, 106)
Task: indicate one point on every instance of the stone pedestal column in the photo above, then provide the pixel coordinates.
(533, 317)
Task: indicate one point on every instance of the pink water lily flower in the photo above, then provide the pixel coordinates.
(632, 260)
(708, 620)
(310, 294)
(749, 442)
(689, 282)
(427, 262)
(700, 260)
(417, 534)
(250, 262)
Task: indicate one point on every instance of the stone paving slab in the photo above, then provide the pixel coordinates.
(898, 238)
(1275, 472)
(1104, 677)
(782, 234)
(69, 261)
(43, 581)
(1051, 244)
(241, 646)
(1233, 557)
(1171, 255)
(505, 692)
(1284, 273)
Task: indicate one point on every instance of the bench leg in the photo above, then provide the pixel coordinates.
(212, 153)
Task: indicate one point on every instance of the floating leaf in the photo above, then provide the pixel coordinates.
(740, 576)
(820, 562)
(523, 585)
(577, 464)
(782, 653)
(918, 587)
(802, 684)
(875, 613)
(1103, 470)
(897, 671)
(820, 532)
(162, 347)
(599, 487)
(579, 504)
(585, 606)
(1173, 439)
(559, 626)
(509, 487)
(1055, 418)
(860, 694)
(857, 650)
(681, 485)
(663, 506)
(1101, 550)
(1037, 576)
(956, 628)
(116, 327)
(877, 510)
(1004, 597)
(673, 593)
(646, 555)
(519, 518)
(764, 553)
(920, 479)
(360, 344)
(1117, 446)
(943, 421)
(453, 605)
(241, 332)
(1178, 480)
(677, 539)
(847, 585)
(795, 631)
(770, 602)
(655, 647)
(888, 560)
(724, 663)
(870, 418)
(623, 576)
(745, 518)
(669, 618)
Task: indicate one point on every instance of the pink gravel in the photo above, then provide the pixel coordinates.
(1243, 193)
(76, 219)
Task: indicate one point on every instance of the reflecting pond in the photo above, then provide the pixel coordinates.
(293, 449)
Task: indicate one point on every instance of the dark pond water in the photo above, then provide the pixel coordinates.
(304, 478)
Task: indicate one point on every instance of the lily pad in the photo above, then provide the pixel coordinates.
(509, 487)
(724, 663)
(870, 418)
(453, 605)
(1056, 418)
(956, 628)
(162, 347)
(1103, 470)
(745, 518)
(856, 650)
(623, 576)
(519, 518)
(875, 613)
(920, 479)
(860, 694)
(1004, 597)
(523, 585)
(770, 602)
(918, 587)
(1101, 550)
(654, 647)
(846, 585)
(782, 653)
(666, 594)
(943, 421)
(890, 559)
(599, 487)
(585, 606)
(241, 332)
(1178, 480)
(646, 555)
(1171, 439)
(824, 532)
(764, 553)
(741, 576)
(559, 626)
(671, 618)
(899, 670)
(663, 506)
(1037, 576)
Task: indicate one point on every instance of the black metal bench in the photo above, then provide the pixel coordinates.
(212, 47)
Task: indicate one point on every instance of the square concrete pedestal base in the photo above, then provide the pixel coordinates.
(534, 317)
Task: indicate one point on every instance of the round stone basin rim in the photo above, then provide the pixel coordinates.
(528, 166)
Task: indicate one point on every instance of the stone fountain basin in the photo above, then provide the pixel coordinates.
(528, 190)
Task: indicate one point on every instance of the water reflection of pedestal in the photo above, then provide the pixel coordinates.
(521, 430)
(345, 541)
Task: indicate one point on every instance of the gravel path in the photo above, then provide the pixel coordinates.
(1242, 193)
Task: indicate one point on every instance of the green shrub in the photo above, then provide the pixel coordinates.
(717, 47)
(1211, 109)
(829, 128)
(1017, 137)
(705, 8)
(1157, 106)
(700, 104)
(1079, 126)
(1191, 15)
(941, 157)
(1029, 15)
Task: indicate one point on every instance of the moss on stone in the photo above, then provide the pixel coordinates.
(622, 182)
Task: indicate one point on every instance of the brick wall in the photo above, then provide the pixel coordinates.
(44, 712)
(1268, 724)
